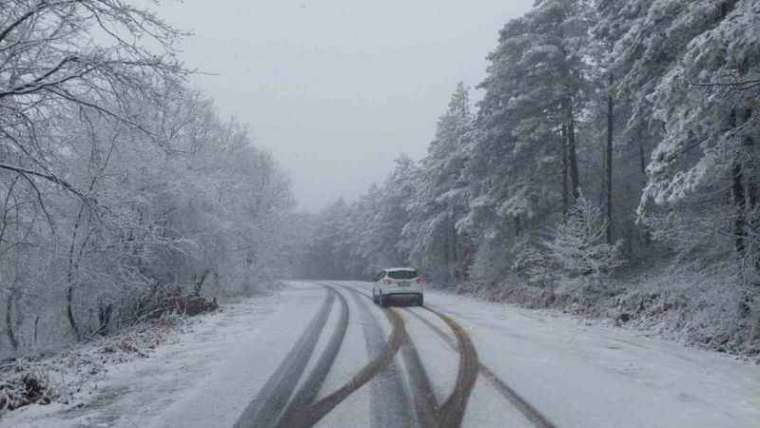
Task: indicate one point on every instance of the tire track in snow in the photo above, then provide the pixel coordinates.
(388, 398)
(266, 408)
(530, 412)
(310, 416)
(429, 414)
(452, 410)
(311, 386)
(425, 403)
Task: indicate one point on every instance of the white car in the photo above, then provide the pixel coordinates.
(405, 282)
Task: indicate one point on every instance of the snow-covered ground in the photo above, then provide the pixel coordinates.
(583, 375)
(570, 373)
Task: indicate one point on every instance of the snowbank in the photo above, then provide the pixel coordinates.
(688, 305)
(90, 384)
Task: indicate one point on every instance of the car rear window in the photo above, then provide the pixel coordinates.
(402, 274)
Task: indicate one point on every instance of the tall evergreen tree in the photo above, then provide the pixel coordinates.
(432, 236)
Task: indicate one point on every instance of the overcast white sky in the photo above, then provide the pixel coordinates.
(337, 89)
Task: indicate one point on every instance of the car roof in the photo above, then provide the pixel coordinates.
(399, 269)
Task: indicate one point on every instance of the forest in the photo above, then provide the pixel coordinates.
(607, 165)
(609, 168)
(199, 246)
(121, 188)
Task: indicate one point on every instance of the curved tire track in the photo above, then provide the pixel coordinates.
(388, 398)
(452, 410)
(425, 404)
(265, 409)
(530, 412)
(309, 416)
(308, 392)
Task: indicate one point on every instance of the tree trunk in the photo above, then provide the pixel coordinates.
(737, 190)
(752, 191)
(518, 226)
(36, 329)
(70, 312)
(752, 172)
(642, 159)
(70, 274)
(608, 157)
(565, 190)
(451, 246)
(643, 168)
(455, 247)
(9, 324)
(104, 318)
(753, 197)
(571, 152)
(199, 283)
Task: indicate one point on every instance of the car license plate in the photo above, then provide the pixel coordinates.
(403, 284)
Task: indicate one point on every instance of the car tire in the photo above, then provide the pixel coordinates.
(382, 301)
(420, 300)
(374, 296)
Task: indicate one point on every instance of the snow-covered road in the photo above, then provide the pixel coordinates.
(321, 354)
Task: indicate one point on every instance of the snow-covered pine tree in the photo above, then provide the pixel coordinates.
(432, 236)
(523, 166)
(391, 215)
(692, 69)
(631, 141)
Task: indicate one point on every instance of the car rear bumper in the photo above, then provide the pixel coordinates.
(397, 291)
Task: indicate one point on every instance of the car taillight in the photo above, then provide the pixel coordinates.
(387, 281)
(420, 280)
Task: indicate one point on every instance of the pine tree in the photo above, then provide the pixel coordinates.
(432, 237)
(534, 92)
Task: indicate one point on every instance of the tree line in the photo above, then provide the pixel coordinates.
(613, 137)
(119, 185)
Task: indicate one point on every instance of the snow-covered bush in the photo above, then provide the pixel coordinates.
(532, 263)
(490, 263)
(579, 243)
(25, 386)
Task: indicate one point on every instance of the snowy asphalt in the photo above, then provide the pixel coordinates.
(423, 370)
(322, 354)
(272, 407)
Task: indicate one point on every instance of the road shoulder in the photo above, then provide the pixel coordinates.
(203, 374)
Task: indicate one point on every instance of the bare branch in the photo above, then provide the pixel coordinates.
(49, 177)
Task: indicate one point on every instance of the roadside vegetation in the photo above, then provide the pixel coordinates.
(609, 168)
(124, 197)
